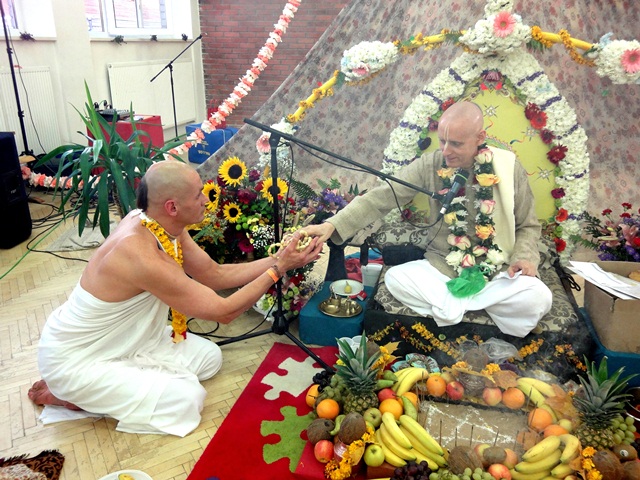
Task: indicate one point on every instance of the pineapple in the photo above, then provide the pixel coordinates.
(359, 378)
(598, 402)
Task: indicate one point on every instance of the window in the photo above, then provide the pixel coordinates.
(9, 13)
(169, 18)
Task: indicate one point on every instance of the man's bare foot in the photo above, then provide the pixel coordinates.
(40, 394)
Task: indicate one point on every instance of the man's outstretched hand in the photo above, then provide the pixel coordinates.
(322, 231)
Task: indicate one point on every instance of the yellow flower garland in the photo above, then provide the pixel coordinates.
(174, 250)
(335, 470)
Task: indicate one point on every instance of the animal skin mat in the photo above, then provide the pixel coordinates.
(44, 466)
(264, 434)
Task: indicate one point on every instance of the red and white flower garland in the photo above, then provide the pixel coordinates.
(247, 81)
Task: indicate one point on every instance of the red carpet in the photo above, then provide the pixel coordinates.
(263, 435)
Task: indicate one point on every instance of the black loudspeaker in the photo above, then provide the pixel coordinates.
(14, 206)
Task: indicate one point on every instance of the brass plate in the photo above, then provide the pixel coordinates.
(329, 309)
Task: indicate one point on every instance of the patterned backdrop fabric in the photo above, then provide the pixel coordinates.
(357, 120)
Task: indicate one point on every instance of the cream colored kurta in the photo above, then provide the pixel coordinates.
(118, 359)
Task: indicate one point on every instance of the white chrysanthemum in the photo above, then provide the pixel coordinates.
(609, 61)
(494, 6)
(367, 58)
(483, 39)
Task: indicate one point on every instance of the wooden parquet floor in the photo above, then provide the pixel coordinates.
(32, 285)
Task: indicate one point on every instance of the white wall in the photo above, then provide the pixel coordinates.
(73, 58)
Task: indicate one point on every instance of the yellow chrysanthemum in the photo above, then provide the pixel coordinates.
(266, 188)
(232, 212)
(212, 192)
(232, 171)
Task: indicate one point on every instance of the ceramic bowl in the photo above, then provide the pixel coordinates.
(136, 474)
(339, 285)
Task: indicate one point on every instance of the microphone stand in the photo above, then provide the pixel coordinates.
(15, 86)
(170, 67)
(361, 166)
(280, 324)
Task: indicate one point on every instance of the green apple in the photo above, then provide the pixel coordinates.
(373, 416)
(373, 455)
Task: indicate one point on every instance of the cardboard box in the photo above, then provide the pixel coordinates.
(616, 321)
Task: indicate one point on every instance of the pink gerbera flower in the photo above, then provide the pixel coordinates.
(504, 24)
(631, 60)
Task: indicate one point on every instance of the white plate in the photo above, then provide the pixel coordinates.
(339, 285)
(136, 474)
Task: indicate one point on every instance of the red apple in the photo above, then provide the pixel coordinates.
(323, 451)
(499, 471)
(479, 449)
(455, 390)
(512, 458)
(492, 396)
(385, 393)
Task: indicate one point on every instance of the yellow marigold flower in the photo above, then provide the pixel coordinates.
(446, 172)
(588, 452)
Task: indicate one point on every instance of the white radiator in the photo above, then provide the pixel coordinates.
(36, 101)
(130, 84)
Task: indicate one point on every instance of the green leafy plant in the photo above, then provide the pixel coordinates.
(105, 169)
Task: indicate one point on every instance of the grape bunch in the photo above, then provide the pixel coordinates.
(336, 389)
(623, 430)
(468, 474)
(323, 379)
(412, 471)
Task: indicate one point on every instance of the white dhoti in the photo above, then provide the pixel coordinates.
(118, 359)
(516, 304)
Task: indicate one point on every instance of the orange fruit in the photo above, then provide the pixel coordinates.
(312, 394)
(413, 397)
(391, 405)
(554, 430)
(436, 385)
(328, 408)
(513, 398)
(539, 419)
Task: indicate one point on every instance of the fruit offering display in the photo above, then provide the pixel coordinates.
(369, 418)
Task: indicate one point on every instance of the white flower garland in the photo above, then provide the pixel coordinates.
(367, 58)
(609, 63)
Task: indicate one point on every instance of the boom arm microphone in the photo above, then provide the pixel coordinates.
(459, 179)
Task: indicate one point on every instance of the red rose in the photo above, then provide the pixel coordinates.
(447, 103)
(557, 193)
(625, 215)
(606, 211)
(627, 206)
(530, 110)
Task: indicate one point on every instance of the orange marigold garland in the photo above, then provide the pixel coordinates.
(173, 248)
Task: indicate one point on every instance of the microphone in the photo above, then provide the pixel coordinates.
(459, 179)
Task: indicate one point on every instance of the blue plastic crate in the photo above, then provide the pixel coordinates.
(211, 143)
(615, 360)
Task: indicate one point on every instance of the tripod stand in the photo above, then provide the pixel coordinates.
(23, 131)
(280, 323)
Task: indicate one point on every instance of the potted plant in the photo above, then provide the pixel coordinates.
(106, 169)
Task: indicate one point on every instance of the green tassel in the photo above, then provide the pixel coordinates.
(469, 282)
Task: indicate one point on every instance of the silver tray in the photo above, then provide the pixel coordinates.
(329, 309)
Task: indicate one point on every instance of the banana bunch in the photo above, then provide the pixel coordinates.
(407, 378)
(408, 441)
(537, 391)
(549, 458)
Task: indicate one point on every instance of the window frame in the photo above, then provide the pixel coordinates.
(177, 17)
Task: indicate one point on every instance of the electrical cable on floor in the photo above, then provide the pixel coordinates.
(210, 334)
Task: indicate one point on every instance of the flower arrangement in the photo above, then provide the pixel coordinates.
(367, 58)
(329, 201)
(238, 224)
(615, 239)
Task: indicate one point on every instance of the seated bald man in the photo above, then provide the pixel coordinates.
(491, 225)
(109, 350)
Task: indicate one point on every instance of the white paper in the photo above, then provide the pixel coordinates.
(615, 284)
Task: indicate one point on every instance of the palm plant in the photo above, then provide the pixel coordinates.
(106, 169)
